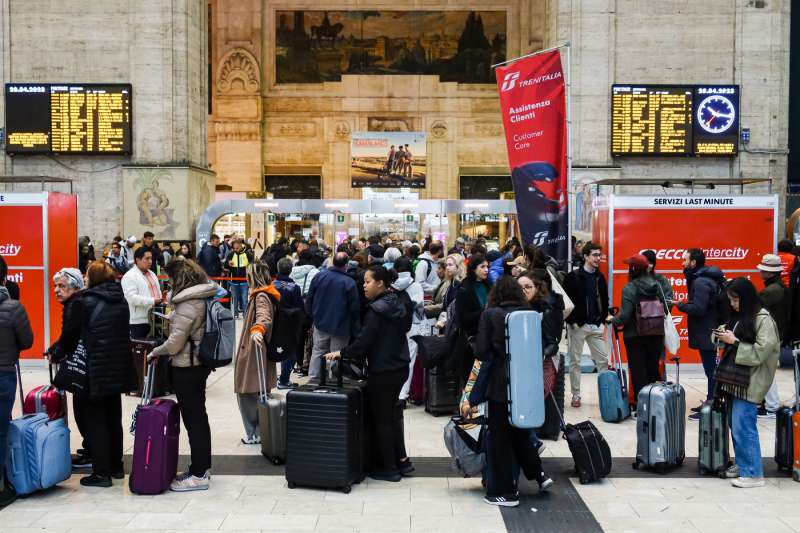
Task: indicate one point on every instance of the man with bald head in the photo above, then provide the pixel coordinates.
(333, 304)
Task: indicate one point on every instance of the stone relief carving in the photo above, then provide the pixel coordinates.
(238, 73)
(342, 129)
(390, 124)
(292, 129)
(439, 129)
(483, 129)
(237, 131)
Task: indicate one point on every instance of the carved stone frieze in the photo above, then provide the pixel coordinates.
(238, 73)
(237, 131)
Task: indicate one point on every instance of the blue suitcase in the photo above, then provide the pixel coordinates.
(525, 374)
(612, 385)
(38, 455)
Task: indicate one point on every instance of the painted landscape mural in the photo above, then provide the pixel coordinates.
(460, 46)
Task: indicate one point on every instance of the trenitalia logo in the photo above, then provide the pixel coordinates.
(11, 250)
(509, 81)
(540, 238)
(715, 254)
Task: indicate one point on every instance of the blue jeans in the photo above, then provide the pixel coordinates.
(8, 389)
(239, 291)
(286, 369)
(745, 438)
(709, 358)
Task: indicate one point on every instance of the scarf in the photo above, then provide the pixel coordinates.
(730, 377)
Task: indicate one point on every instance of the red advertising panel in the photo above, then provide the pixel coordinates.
(735, 232)
(23, 245)
(533, 107)
(62, 244)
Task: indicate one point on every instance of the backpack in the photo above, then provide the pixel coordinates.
(721, 303)
(287, 330)
(416, 262)
(219, 336)
(650, 316)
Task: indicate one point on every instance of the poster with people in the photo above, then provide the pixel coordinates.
(388, 159)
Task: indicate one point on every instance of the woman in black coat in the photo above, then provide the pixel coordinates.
(105, 319)
(470, 303)
(506, 296)
(382, 342)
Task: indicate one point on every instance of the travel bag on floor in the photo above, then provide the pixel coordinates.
(271, 414)
(46, 399)
(590, 451)
(612, 388)
(441, 391)
(787, 430)
(463, 439)
(157, 425)
(525, 374)
(661, 425)
(325, 435)
(713, 448)
(38, 453)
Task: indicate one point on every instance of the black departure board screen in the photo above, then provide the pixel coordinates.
(682, 120)
(46, 118)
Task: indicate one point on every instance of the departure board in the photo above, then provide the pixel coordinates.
(68, 118)
(681, 120)
(651, 120)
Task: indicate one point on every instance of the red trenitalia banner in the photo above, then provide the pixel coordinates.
(533, 104)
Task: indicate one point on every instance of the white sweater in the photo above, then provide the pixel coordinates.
(137, 293)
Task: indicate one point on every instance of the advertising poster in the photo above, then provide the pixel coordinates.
(388, 159)
(734, 232)
(533, 106)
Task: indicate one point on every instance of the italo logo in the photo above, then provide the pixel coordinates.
(9, 249)
(719, 254)
(509, 81)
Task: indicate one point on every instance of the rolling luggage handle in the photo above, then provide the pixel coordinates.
(261, 370)
(147, 390)
(616, 354)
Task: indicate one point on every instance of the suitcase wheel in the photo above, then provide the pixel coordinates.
(291, 485)
(704, 471)
(635, 465)
(661, 469)
(276, 461)
(346, 489)
(584, 481)
(722, 474)
(679, 461)
(796, 475)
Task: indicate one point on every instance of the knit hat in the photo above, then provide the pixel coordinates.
(770, 263)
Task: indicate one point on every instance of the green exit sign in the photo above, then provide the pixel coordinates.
(270, 218)
(409, 218)
(340, 219)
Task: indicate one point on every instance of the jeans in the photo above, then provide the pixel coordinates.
(593, 336)
(386, 420)
(709, 358)
(239, 292)
(745, 438)
(190, 391)
(104, 426)
(8, 389)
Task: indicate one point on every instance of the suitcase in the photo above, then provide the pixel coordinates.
(714, 451)
(525, 373)
(155, 445)
(787, 430)
(441, 391)
(612, 384)
(271, 415)
(159, 331)
(325, 444)
(661, 425)
(551, 429)
(46, 399)
(590, 451)
(416, 392)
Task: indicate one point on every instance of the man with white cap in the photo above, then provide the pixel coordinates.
(776, 299)
(127, 249)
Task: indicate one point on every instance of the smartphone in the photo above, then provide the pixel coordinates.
(160, 315)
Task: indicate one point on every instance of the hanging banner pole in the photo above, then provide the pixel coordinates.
(534, 102)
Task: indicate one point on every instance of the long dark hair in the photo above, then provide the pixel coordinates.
(749, 306)
(506, 289)
(475, 260)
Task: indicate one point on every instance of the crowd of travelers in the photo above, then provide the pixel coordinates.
(364, 300)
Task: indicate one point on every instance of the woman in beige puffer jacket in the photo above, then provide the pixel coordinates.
(190, 291)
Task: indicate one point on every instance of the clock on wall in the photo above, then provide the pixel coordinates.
(716, 114)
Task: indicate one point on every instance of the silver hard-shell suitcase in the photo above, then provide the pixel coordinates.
(661, 425)
(271, 415)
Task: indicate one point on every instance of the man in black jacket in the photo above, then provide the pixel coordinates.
(588, 290)
(208, 258)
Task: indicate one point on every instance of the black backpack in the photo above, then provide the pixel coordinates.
(287, 330)
(721, 303)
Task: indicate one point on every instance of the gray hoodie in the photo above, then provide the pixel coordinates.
(414, 290)
(302, 276)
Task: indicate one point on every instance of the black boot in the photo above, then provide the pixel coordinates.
(96, 480)
(8, 495)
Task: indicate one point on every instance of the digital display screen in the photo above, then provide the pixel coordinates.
(681, 120)
(46, 118)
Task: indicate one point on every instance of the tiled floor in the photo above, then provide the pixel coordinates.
(264, 503)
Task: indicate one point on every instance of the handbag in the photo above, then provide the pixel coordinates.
(558, 289)
(672, 339)
(73, 373)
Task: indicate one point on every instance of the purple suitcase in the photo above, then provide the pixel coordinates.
(157, 426)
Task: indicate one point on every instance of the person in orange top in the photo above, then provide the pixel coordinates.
(788, 259)
(257, 330)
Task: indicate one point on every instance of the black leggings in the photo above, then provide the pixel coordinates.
(643, 356)
(386, 420)
(190, 389)
(505, 438)
(103, 424)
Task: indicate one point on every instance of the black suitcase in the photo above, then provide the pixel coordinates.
(551, 429)
(325, 435)
(159, 331)
(784, 431)
(590, 451)
(713, 444)
(441, 391)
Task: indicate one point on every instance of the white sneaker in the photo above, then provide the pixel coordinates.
(732, 472)
(252, 439)
(748, 482)
(185, 482)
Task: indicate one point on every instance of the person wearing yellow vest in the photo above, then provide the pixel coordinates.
(236, 263)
